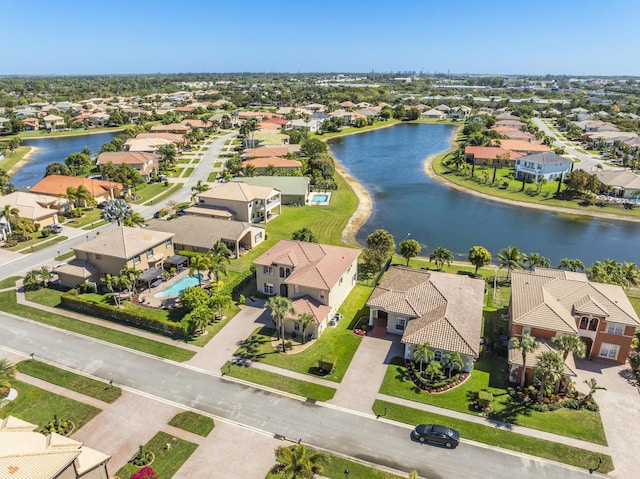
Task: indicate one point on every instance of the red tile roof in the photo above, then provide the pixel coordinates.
(58, 184)
(490, 152)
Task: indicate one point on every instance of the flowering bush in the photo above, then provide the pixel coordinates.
(145, 473)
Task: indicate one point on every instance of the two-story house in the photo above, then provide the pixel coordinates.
(545, 165)
(316, 277)
(144, 163)
(238, 201)
(442, 309)
(548, 302)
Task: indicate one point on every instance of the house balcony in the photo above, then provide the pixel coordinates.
(529, 170)
(586, 333)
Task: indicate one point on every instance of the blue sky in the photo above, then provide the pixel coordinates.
(458, 36)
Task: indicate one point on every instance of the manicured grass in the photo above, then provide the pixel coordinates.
(164, 195)
(36, 243)
(499, 437)
(336, 466)
(9, 304)
(353, 129)
(38, 406)
(217, 164)
(167, 461)
(488, 375)
(193, 422)
(45, 296)
(634, 298)
(65, 256)
(10, 161)
(481, 182)
(95, 225)
(216, 326)
(9, 282)
(148, 191)
(69, 380)
(339, 342)
(187, 174)
(305, 389)
(88, 216)
(212, 177)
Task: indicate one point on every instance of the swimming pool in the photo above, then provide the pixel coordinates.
(179, 286)
(320, 198)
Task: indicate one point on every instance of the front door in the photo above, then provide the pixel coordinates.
(284, 290)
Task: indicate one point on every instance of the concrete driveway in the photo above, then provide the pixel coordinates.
(619, 410)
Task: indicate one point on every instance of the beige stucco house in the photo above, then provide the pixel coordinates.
(238, 201)
(143, 162)
(110, 252)
(316, 277)
(28, 454)
(442, 309)
(40, 209)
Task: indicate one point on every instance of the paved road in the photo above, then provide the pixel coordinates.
(587, 162)
(332, 428)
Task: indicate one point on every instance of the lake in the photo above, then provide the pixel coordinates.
(389, 162)
(55, 149)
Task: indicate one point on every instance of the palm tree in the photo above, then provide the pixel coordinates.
(440, 257)
(592, 384)
(537, 260)
(433, 368)
(109, 282)
(217, 265)
(454, 361)
(571, 264)
(83, 196)
(511, 258)
(423, 353)
(568, 343)
(135, 219)
(280, 307)
(131, 274)
(631, 274)
(220, 249)
(7, 374)
(298, 463)
(549, 369)
(198, 188)
(11, 212)
(168, 154)
(199, 262)
(526, 344)
(71, 195)
(305, 319)
(250, 170)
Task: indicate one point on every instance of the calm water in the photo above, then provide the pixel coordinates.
(179, 286)
(389, 163)
(52, 150)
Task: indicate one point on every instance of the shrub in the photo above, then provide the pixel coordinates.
(142, 457)
(484, 399)
(327, 363)
(145, 473)
(45, 233)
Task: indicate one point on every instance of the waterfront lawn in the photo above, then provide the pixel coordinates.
(38, 406)
(494, 436)
(9, 304)
(167, 461)
(9, 282)
(634, 298)
(193, 422)
(166, 194)
(488, 375)
(353, 129)
(69, 380)
(339, 342)
(317, 392)
(11, 160)
(147, 191)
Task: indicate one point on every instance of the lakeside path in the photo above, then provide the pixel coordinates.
(25, 159)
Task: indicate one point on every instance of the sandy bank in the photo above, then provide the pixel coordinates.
(23, 161)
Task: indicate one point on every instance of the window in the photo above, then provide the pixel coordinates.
(287, 273)
(201, 200)
(136, 259)
(281, 272)
(258, 236)
(267, 288)
(355, 277)
(322, 294)
(437, 356)
(149, 252)
(341, 278)
(168, 243)
(296, 326)
(400, 324)
(609, 351)
(98, 256)
(296, 289)
(267, 270)
(615, 328)
(526, 330)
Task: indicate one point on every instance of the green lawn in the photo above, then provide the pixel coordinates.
(212, 177)
(339, 342)
(336, 466)
(95, 225)
(164, 195)
(488, 375)
(9, 161)
(499, 437)
(65, 256)
(353, 129)
(634, 298)
(147, 191)
(8, 303)
(187, 174)
(38, 406)
(193, 422)
(217, 164)
(69, 380)
(167, 461)
(9, 282)
(37, 242)
(305, 389)
(88, 216)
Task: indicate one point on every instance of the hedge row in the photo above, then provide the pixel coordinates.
(109, 312)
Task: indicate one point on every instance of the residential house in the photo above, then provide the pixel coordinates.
(4, 124)
(193, 233)
(513, 134)
(148, 145)
(442, 309)
(144, 163)
(196, 123)
(30, 124)
(311, 125)
(57, 185)
(26, 453)
(515, 124)
(270, 150)
(522, 146)
(294, 190)
(316, 277)
(608, 138)
(620, 183)
(548, 302)
(264, 165)
(459, 113)
(177, 128)
(433, 114)
(488, 155)
(41, 209)
(53, 122)
(267, 137)
(238, 201)
(110, 252)
(545, 165)
(178, 140)
(5, 226)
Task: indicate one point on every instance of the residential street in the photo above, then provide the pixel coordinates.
(335, 429)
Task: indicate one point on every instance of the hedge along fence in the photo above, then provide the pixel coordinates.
(73, 302)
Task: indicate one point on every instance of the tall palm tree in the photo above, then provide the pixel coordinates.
(440, 257)
(537, 260)
(250, 170)
(305, 319)
(423, 353)
(454, 361)
(109, 282)
(592, 384)
(132, 274)
(11, 212)
(199, 262)
(7, 374)
(299, 463)
(84, 196)
(526, 344)
(571, 264)
(548, 370)
(217, 265)
(198, 188)
(135, 219)
(280, 308)
(71, 195)
(511, 258)
(631, 274)
(568, 343)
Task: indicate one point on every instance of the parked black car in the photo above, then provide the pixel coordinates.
(437, 434)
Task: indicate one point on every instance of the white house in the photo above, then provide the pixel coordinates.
(545, 165)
